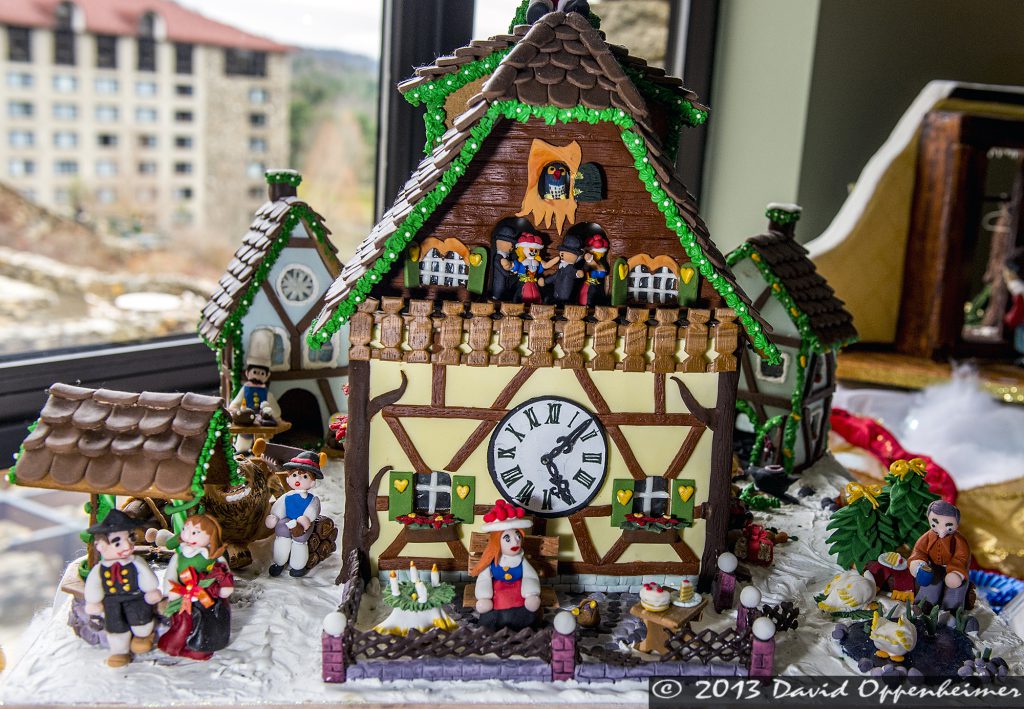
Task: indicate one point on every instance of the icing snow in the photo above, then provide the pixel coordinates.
(274, 655)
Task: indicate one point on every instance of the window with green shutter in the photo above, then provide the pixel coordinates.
(620, 282)
(400, 494)
(684, 492)
(463, 497)
(622, 500)
(477, 270)
(689, 284)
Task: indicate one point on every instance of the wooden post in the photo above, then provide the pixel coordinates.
(391, 328)
(634, 335)
(510, 334)
(541, 336)
(726, 339)
(450, 336)
(606, 334)
(90, 552)
(419, 331)
(361, 331)
(574, 334)
(696, 343)
(479, 328)
(663, 340)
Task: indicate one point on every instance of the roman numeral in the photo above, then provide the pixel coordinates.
(592, 458)
(573, 419)
(584, 478)
(546, 502)
(553, 411)
(515, 433)
(507, 452)
(588, 436)
(526, 494)
(511, 476)
(531, 416)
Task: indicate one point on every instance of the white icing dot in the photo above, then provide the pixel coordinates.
(750, 596)
(334, 623)
(565, 623)
(764, 628)
(727, 562)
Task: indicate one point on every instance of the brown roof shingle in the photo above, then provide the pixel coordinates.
(110, 442)
(829, 320)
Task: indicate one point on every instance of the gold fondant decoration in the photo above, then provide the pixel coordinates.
(543, 212)
(400, 485)
(653, 263)
(462, 491)
(624, 496)
(685, 492)
(686, 275)
(414, 252)
(450, 245)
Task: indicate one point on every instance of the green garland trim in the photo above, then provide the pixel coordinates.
(12, 476)
(231, 331)
(758, 500)
(437, 596)
(283, 177)
(520, 17)
(782, 216)
(515, 110)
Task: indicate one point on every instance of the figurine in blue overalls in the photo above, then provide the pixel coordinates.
(293, 513)
(254, 404)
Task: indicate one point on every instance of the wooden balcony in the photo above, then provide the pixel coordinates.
(630, 339)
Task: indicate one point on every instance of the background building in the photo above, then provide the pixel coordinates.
(139, 115)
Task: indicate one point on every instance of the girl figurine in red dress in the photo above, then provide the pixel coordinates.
(507, 586)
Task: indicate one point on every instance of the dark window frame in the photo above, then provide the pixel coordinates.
(106, 51)
(145, 54)
(244, 62)
(183, 57)
(19, 44)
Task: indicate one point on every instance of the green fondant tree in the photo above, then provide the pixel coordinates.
(861, 530)
(909, 497)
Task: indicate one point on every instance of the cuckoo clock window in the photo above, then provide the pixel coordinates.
(449, 269)
(433, 492)
(658, 286)
(297, 284)
(651, 497)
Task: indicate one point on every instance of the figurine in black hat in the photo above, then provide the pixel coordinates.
(504, 283)
(293, 513)
(567, 273)
(122, 588)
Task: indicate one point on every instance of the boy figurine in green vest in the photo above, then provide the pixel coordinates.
(293, 513)
(122, 588)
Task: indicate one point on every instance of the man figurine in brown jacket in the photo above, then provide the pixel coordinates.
(941, 559)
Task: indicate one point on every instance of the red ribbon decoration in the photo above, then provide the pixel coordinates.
(190, 590)
(877, 440)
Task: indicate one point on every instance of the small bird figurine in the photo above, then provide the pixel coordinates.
(892, 639)
(848, 591)
(555, 181)
(588, 614)
(772, 480)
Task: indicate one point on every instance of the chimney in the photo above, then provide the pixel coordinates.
(783, 217)
(282, 183)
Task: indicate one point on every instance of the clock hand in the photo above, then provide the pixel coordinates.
(566, 443)
(560, 486)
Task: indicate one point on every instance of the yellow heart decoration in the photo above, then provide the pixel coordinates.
(687, 275)
(623, 272)
(624, 496)
(414, 252)
(685, 492)
(462, 491)
(400, 485)
(475, 259)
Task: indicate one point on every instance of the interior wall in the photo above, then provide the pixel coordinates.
(871, 59)
(763, 64)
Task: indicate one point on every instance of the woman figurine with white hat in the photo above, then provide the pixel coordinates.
(507, 586)
(293, 513)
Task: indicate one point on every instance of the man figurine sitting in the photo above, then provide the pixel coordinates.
(255, 395)
(293, 513)
(122, 588)
(941, 558)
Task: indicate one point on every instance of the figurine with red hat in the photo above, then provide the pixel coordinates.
(527, 267)
(507, 586)
(592, 290)
(293, 513)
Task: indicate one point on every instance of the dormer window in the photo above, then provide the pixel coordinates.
(150, 29)
(67, 20)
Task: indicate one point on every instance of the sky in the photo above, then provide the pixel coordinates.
(352, 25)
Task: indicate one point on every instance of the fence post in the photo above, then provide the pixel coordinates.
(762, 651)
(723, 589)
(333, 647)
(750, 597)
(563, 647)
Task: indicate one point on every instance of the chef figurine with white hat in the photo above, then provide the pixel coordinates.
(507, 586)
(292, 515)
(254, 398)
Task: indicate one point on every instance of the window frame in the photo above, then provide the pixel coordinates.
(19, 44)
(106, 51)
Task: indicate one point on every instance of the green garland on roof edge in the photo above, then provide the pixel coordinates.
(520, 17)
(12, 476)
(232, 327)
(512, 109)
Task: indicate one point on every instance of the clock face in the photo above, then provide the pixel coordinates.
(548, 455)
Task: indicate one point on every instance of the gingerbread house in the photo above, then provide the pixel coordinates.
(606, 407)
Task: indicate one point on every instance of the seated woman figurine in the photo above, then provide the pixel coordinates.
(507, 586)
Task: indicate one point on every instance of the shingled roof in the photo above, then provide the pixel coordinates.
(109, 442)
(828, 319)
(560, 61)
(478, 49)
(265, 230)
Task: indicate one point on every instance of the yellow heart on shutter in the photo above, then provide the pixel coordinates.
(462, 491)
(686, 274)
(685, 492)
(623, 271)
(475, 259)
(400, 485)
(414, 252)
(624, 496)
